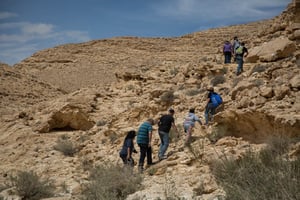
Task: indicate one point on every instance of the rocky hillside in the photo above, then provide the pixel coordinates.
(92, 93)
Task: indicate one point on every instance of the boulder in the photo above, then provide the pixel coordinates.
(295, 82)
(68, 117)
(271, 51)
(266, 92)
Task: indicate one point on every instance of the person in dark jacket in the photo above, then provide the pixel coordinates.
(128, 149)
(164, 126)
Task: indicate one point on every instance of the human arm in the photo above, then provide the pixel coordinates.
(150, 137)
(128, 153)
(246, 52)
(175, 128)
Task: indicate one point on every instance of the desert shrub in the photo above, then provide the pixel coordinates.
(111, 182)
(197, 150)
(174, 71)
(258, 82)
(193, 92)
(259, 176)
(219, 79)
(258, 68)
(65, 146)
(167, 97)
(100, 123)
(3, 187)
(217, 133)
(279, 144)
(29, 186)
(236, 81)
(113, 137)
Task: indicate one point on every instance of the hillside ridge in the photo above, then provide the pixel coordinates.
(93, 93)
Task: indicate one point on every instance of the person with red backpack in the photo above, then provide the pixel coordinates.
(213, 101)
(227, 51)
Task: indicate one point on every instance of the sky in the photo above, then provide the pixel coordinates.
(28, 26)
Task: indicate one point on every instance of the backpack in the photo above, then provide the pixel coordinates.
(216, 99)
(239, 50)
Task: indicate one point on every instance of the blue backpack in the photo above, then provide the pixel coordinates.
(216, 99)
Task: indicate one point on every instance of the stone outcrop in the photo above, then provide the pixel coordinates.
(271, 51)
(68, 117)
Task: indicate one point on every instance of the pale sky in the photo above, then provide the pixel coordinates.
(28, 26)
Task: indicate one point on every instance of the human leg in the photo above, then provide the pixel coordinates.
(227, 57)
(143, 152)
(209, 112)
(164, 137)
(149, 155)
(188, 135)
(124, 158)
(240, 65)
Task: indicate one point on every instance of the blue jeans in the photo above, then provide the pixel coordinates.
(209, 112)
(164, 144)
(240, 62)
(145, 151)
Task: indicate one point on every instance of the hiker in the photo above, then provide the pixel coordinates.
(189, 123)
(212, 102)
(240, 53)
(235, 45)
(144, 137)
(128, 148)
(164, 126)
(227, 51)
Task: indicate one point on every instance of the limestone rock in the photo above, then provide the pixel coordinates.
(272, 51)
(295, 82)
(67, 117)
(266, 92)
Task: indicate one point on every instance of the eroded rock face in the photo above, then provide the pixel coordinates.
(255, 126)
(68, 117)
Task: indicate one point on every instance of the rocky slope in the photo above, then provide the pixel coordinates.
(94, 92)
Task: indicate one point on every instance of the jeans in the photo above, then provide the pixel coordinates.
(209, 112)
(145, 150)
(227, 56)
(240, 62)
(164, 138)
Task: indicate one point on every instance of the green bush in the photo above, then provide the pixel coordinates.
(111, 182)
(259, 176)
(29, 186)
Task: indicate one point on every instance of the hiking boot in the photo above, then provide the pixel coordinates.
(141, 169)
(163, 157)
